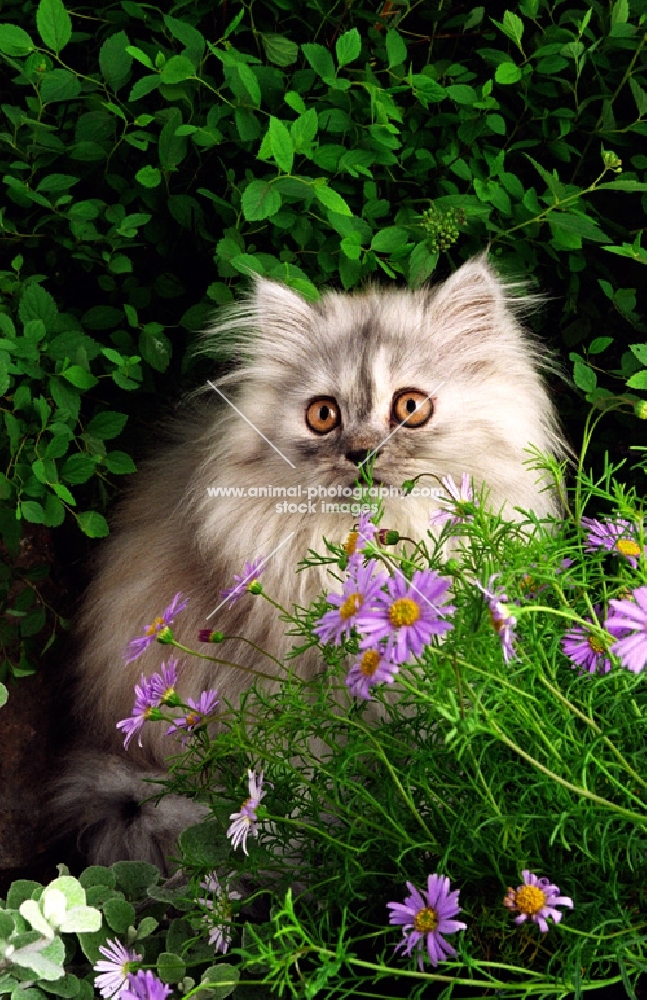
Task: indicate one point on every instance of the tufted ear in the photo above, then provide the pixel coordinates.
(279, 309)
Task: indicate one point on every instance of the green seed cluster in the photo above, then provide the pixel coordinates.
(442, 227)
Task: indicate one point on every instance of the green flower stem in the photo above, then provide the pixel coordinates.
(591, 722)
(215, 659)
(583, 792)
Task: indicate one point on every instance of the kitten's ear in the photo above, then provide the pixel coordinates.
(473, 299)
(280, 310)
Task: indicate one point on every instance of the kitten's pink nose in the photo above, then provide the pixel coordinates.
(358, 456)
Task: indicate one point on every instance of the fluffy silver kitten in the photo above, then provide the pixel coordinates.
(326, 384)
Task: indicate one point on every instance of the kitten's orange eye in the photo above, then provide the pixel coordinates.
(411, 408)
(322, 415)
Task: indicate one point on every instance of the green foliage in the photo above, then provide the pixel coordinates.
(152, 161)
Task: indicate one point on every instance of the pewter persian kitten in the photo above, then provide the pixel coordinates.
(326, 384)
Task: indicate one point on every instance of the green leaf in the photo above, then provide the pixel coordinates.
(14, 41)
(107, 425)
(250, 82)
(93, 524)
(97, 875)
(54, 510)
(601, 343)
(78, 469)
(260, 201)
(119, 463)
(638, 381)
(507, 73)
(246, 263)
(279, 50)
(640, 351)
(396, 49)
(512, 26)
(222, 978)
(177, 69)
(59, 85)
(581, 225)
(622, 185)
(119, 914)
(79, 377)
(4, 694)
(54, 24)
(114, 62)
(37, 303)
(133, 876)
(155, 347)
(321, 61)
(348, 47)
(281, 144)
(461, 93)
(330, 199)
(170, 967)
(20, 890)
(143, 87)
(203, 845)
(389, 239)
(32, 511)
(193, 41)
(584, 377)
(172, 148)
(422, 262)
(140, 56)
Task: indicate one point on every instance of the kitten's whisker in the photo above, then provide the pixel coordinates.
(398, 426)
(250, 576)
(220, 393)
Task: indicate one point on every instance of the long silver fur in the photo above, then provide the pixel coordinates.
(168, 535)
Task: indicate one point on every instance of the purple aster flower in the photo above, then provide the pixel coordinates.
(360, 592)
(219, 917)
(372, 668)
(145, 986)
(246, 821)
(407, 615)
(429, 915)
(204, 706)
(244, 580)
(150, 693)
(536, 899)
(503, 622)
(459, 507)
(114, 972)
(586, 650)
(613, 536)
(630, 616)
(137, 646)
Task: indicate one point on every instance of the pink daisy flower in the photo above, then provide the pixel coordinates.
(460, 505)
(243, 581)
(372, 668)
(137, 646)
(428, 916)
(361, 590)
(630, 616)
(613, 536)
(200, 709)
(536, 900)
(246, 820)
(114, 972)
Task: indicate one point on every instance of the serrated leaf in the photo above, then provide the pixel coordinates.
(194, 43)
(389, 239)
(601, 343)
(32, 511)
(330, 199)
(321, 61)
(348, 47)
(512, 26)
(177, 69)
(54, 24)
(94, 525)
(638, 381)
(37, 303)
(422, 263)
(584, 377)
(78, 469)
(250, 82)
(14, 41)
(260, 201)
(79, 377)
(396, 49)
(281, 144)
(107, 425)
(507, 73)
(114, 62)
(640, 351)
(155, 348)
(279, 50)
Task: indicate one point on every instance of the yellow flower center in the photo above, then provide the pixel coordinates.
(193, 718)
(530, 899)
(596, 645)
(527, 584)
(498, 620)
(425, 920)
(369, 662)
(627, 547)
(404, 612)
(351, 606)
(155, 627)
(351, 543)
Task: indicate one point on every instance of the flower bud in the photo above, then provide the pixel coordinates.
(640, 409)
(388, 536)
(255, 587)
(209, 635)
(165, 636)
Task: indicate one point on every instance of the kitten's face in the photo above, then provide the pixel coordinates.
(438, 381)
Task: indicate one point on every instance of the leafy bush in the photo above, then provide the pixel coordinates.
(151, 161)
